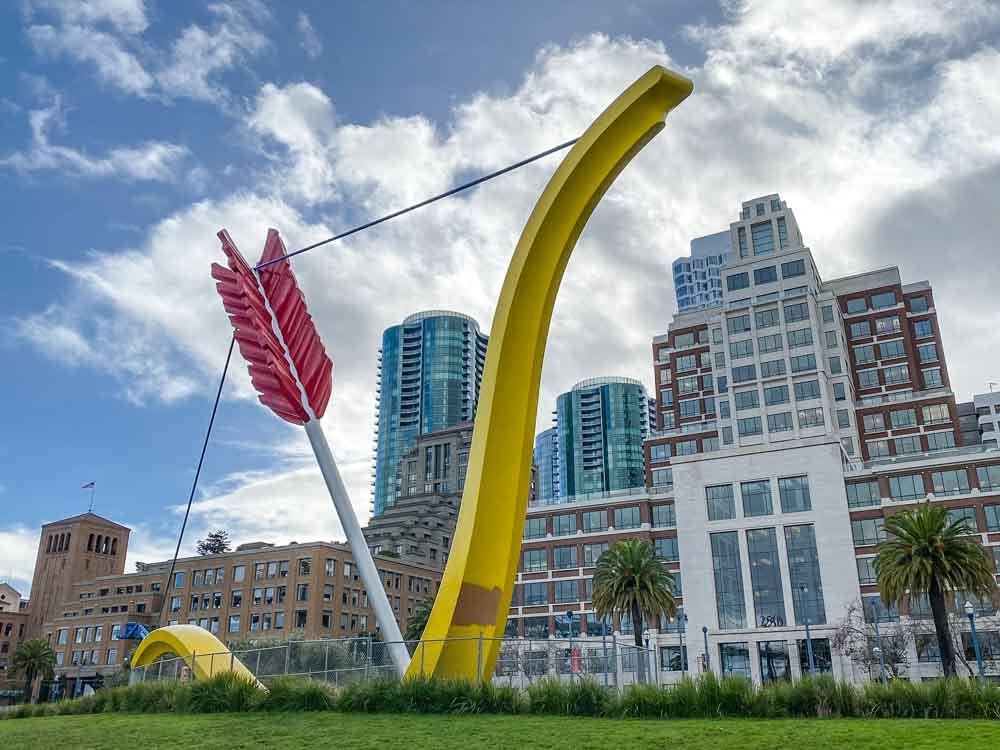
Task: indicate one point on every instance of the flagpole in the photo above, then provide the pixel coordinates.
(93, 488)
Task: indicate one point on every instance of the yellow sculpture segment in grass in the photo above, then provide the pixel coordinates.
(202, 652)
(475, 593)
(472, 603)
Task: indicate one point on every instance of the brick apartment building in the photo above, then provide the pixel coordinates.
(82, 598)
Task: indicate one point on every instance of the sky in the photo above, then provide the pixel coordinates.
(133, 130)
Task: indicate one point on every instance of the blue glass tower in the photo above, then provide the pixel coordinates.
(697, 282)
(601, 424)
(546, 458)
(430, 370)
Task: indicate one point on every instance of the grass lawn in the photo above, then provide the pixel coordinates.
(392, 731)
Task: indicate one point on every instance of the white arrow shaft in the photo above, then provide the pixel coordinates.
(370, 577)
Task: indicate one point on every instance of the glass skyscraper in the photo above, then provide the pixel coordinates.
(430, 370)
(601, 424)
(696, 279)
(546, 460)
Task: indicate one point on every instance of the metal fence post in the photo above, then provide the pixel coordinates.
(326, 662)
(617, 656)
(479, 659)
(232, 660)
(194, 657)
(159, 670)
(604, 645)
(423, 647)
(256, 671)
(368, 660)
(288, 655)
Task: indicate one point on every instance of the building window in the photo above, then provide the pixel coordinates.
(863, 494)
(738, 323)
(796, 311)
(661, 478)
(936, 413)
(866, 571)
(763, 237)
(937, 441)
(922, 329)
(896, 374)
(874, 422)
(746, 400)
(799, 337)
(741, 234)
(756, 498)
(768, 344)
(666, 547)
(905, 445)
(993, 522)
(804, 575)
(686, 447)
(234, 624)
(794, 494)
(534, 528)
(720, 502)
(737, 281)
(989, 477)
(777, 394)
(749, 426)
(566, 592)
(767, 318)
(766, 275)
(907, 487)
(627, 518)
(861, 329)
(563, 558)
(806, 390)
(658, 453)
(927, 352)
(781, 422)
(828, 313)
(803, 362)
(664, 516)
(765, 577)
(966, 517)
(953, 482)
(727, 570)
(592, 552)
(741, 349)
(239, 573)
(883, 300)
(564, 524)
(535, 560)
(892, 349)
(772, 369)
(932, 377)
(864, 355)
(903, 418)
(843, 418)
(868, 378)
(867, 531)
(536, 594)
(690, 407)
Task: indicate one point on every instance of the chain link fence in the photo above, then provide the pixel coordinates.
(520, 661)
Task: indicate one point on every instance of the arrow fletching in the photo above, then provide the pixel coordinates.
(313, 366)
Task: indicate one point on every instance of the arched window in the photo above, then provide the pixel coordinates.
(67, 539)
(48, 547)
(107, 545)
(114, 546)
(60, 543)
(100, 541)
(90, 543)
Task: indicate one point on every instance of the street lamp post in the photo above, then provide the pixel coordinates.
(809, 642)
(704, 634)
(970, 612)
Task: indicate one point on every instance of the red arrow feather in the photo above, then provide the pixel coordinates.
(314, 368)
(269, 371)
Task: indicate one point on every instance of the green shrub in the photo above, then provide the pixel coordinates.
(226, 692)
(642, 702)
(296, 694)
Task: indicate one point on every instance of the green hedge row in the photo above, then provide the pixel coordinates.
(705, 697)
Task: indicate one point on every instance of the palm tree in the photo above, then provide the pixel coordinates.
(631, 579)
(924, 553)
(33, 658)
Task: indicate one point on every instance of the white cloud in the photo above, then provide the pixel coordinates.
(126, 15)
(110, 35)
(849, 156)
(149, 161)
(199, 55)
(310, 39)
(18, 545)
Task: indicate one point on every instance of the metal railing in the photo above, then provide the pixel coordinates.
(340, 662)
